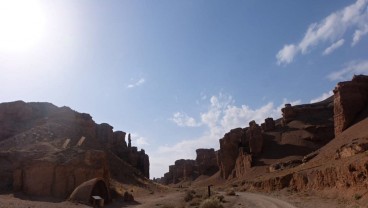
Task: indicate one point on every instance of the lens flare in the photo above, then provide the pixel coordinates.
(22, 24)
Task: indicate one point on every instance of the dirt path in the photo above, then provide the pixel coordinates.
(245, 199)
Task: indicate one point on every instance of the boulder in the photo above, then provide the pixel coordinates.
(351, 149)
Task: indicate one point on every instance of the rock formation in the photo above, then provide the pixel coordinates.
(188, 170)
(32, 138)
(206, 161)
(243, 164)
(350, 99)
(229, 151)
(268, 125)
(59, 176)
(254, 133)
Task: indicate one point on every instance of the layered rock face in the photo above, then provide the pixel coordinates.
(206, 161)
(184, 170)
(243, 164)
(229, 151)
(41, 130)
(45, 177)
(268, 125)
(237, 148)
(254, 133)
(350, 99)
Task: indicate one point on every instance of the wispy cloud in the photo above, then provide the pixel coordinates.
(355, 67)
(138, 140)
(333, 47)
(183, 120)
(220, 117)
(324, 96)
(358, 34)
(329, 30)
(137, 83)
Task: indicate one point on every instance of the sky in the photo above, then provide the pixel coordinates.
(179, 74)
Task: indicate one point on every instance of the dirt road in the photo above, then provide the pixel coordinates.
(245, 199)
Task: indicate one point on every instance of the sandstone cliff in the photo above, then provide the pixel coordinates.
(188, 170)
(59, 148)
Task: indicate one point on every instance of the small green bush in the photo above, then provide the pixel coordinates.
(211, 203)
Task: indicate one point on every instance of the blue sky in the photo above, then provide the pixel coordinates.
(179, 74)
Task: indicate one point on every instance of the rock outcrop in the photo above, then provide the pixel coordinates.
(206, 161)
(237, 148)
(350, 99)
(243, 164)
(183, 170)
(59, 177)
(229, 151)
(268, 125)
(33, 134)
(254, 133)
(188, 170)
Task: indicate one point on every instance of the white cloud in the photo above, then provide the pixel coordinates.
(221, 116)
(330, 29)
(358, 34)
(137, 83)
(286, 54)
(333, 47)
(138, 140)
(355, 67)
(183, 120)
(324, 96)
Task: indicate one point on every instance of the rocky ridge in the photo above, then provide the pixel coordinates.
(313, 146)
(48, 151)
(188, 170)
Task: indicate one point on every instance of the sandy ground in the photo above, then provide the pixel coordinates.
(9, 201)
(175, 199)
(245, 199)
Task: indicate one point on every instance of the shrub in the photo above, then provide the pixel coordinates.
(211, 203)
(230, 192)
(357, 196)
(220, 198)
(189, 195)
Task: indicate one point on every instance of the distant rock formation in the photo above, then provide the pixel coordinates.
(188, 170)
(206, 161)
(350, 99)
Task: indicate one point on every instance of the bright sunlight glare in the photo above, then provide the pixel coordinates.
(22, 24)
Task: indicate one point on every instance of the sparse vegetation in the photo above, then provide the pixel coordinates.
(211, 203)
(189, 195)
(230, 192)
(220, 198)
(357, 196)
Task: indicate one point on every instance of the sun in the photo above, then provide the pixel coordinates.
(22, 24)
